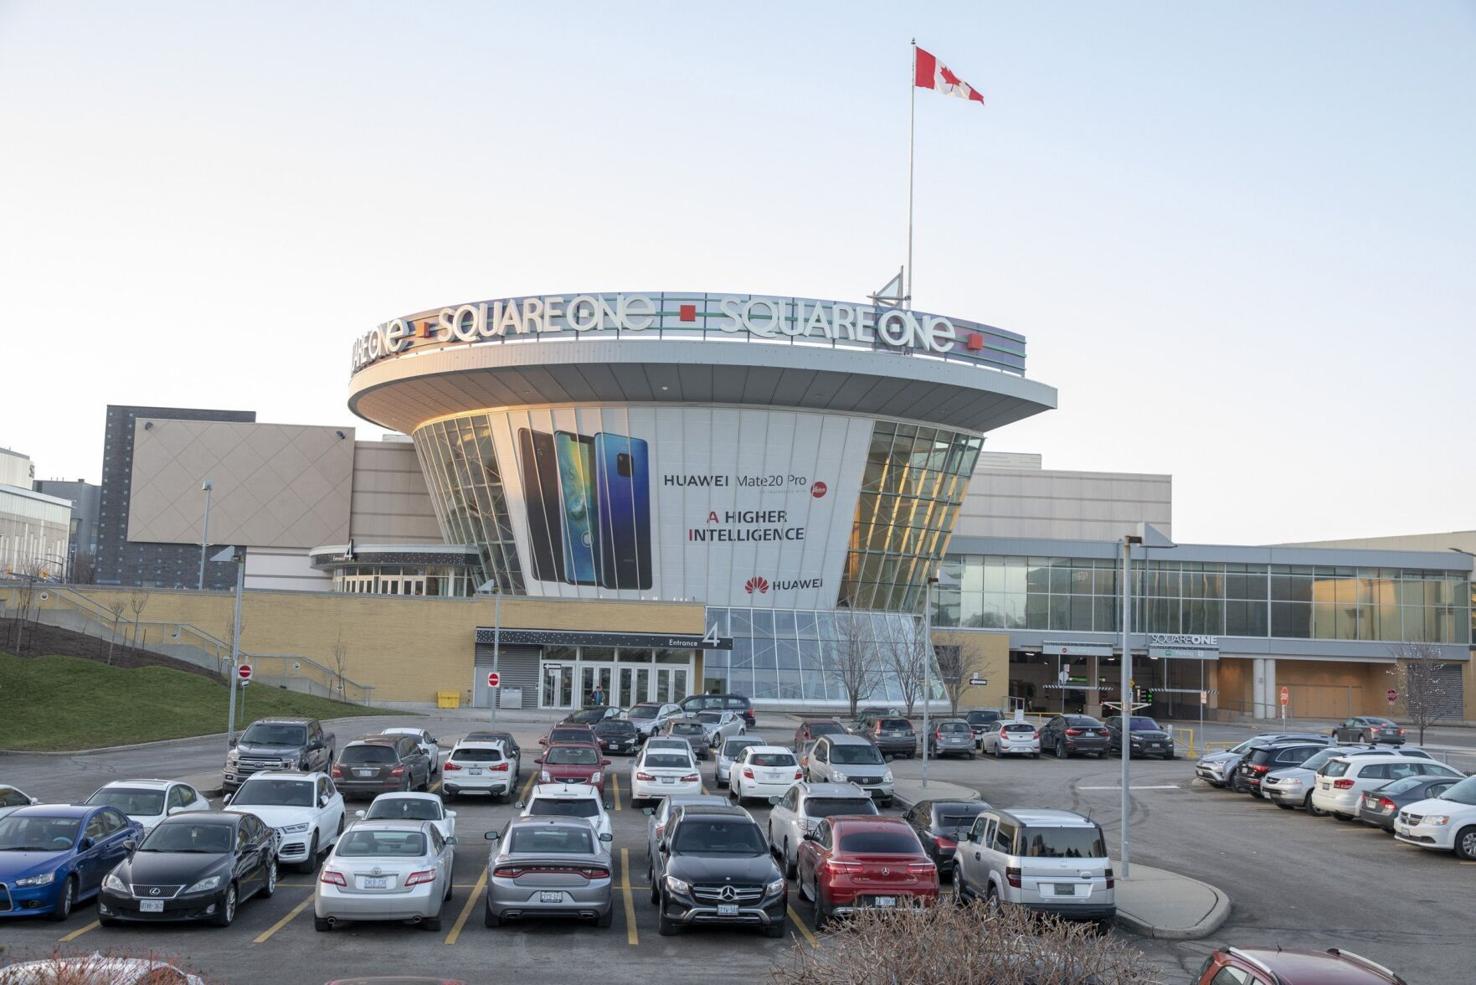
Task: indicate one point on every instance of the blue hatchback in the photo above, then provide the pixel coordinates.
(53, 855)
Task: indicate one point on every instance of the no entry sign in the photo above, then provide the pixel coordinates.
(243, 671)
(1392, 695)
(494, 679)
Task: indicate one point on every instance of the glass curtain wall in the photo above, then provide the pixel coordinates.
(460, 465)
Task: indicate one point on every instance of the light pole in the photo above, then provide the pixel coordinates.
(237, 554)
(1125, 705)
(927, 668)
(496, 646)
(206, 488)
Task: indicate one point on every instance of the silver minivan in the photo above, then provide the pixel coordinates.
(1048, 861)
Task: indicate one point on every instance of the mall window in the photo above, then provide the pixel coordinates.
(461, 471)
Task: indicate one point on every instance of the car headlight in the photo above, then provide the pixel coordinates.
(596, 777)
(206, 884)
(887, 777)
(114, 885)
(839, 777)
(44, 879)
(677, 885)
(295, 829)
(774, 888)
(1437, 819)
(232, 757)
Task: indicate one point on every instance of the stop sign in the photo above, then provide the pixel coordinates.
(243, 671)
(494, 679)
(1392, 695)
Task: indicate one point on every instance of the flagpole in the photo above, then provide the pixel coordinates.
(911, 140)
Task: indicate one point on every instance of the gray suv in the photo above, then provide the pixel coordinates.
(1048, 861)
(851, 759)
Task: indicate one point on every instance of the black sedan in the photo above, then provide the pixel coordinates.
(939, 824)
(1066, 735)
(1381, 805)
(1369, 728)
(618, 735)
(196, 866)
(1147, 738)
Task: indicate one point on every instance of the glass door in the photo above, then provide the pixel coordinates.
(671, 684)
(591, 675)
(635, 686)
(557, 690)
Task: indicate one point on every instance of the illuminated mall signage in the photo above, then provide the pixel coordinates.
(586, 314)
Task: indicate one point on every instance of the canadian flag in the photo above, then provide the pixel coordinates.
(929, 73)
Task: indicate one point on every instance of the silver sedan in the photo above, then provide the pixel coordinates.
(548, 867)
(720, 725)
(385, 870)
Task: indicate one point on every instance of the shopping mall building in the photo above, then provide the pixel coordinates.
(663, 493)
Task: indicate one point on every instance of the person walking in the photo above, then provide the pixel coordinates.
(597, 696)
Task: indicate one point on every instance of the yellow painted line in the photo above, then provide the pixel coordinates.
(632, 937)
(292, 914)
(799, 924)
(79, 932)
(434, 787)
(615, 782)
(528, 787)
(466, 909)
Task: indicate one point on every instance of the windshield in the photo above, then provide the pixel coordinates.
(572, 756)
(614, 725)
(732, 747)
(719, 836)
(404, 809)
(826, 728)
(1082, 721)
(643, 711)
(686, 728)
(885, 842)
(1462, 793)
(556, 807)
(553, 840)
(830, 806)
(568, 735)
(38, 834)
(983, 717)
(710, 717)
(359, 755)
(1018, 727)
(1403, 786)
(957, 727)
(958, 816)
(130, 801)
(274, 793)
(1141, 724)
(856, 755)
(359, 843)
(668, 761)
(896, 724)
(199, 838)
(265, 733)
(477, 755)
(1063, 843)
(772, 759)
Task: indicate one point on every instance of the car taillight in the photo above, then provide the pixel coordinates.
(943, 842)
(1262, 768)
(836, 866)
(748, 772)
(921, 868)
(398, 771)
(416, 878)
(1012, 876)
(799, 774)
(1342, 784)
(691, 777)
(337, 773)
(1073, 731)
(333, 878)
(449, 766)
(1111, 879)
(507, 872)
(595, 873)
(645, 777)
(500, 767)
(1401, 731)
(1385, 804)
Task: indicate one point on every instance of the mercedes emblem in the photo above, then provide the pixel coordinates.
(728, 894)
(886, 871)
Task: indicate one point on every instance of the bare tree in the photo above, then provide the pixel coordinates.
(1419, 677)
(904, 652)
(136, 603)
(115, 606)
(957, 665)
(29, 573)
(340, 663)
(856, 665)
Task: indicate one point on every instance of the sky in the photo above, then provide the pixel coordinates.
(1238, 237)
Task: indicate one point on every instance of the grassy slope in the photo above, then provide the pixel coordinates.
(52, 704)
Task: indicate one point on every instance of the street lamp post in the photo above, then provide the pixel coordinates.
(927, 669)
(237, 554)
(206, 488)
(496, 646)
(1125, 686)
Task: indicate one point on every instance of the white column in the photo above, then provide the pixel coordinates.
(1273, 693)
(1258, 688)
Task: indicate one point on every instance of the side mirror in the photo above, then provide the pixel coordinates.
(172, 811)
(451, 840)
(85, 844)
(226, 800)
(809, 836)
(661, 846)
(359, 815)
(233, 741)
(606, 836)
(543, 741)
(539, 760)
(604, 762)
(648, 811)
(323, 801)
(130, 846)
(519, 804)
(450, 813)
(35, 800)
(492, 835)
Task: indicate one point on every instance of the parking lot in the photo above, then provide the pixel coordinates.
(1293, 880)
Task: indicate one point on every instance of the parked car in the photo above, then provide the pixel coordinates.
(951, 737)
(53, 856)
(568, 800)
(656, 858)
(694, 703)
(573, 763)
(106, 968)
(716, 869)
(510, 747)
(386, 870)
(428, 743)
(648, 718)
(150, 801)
(1368, 728)
(1381, 805)
(719, 725)
(376, 764)
(617, 735)
(480, 767)
(1445, 823)
(870, 713)
(1214, 768)
(663, 772)
(668, 742)
(279, 744)
(762, 772)
(728, 752)
(982, 720)
(1147, 737)
(659, 817)
(851, 759)
(548, 867)
(691, 730)
(1045, 860)
(1271, 966)
(1067, 735)
(305, 809)
(892, 736)
(1342, 781)
(196, 866)
(939, 824)
(1291, 786)
(12, 798)
(811, 729)
(1008, 738)
(560, 735)
(592, 716)
(803, 807)
(411, 807)
(1262, 760)
(850, 863)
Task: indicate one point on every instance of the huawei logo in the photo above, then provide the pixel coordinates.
(758, 583)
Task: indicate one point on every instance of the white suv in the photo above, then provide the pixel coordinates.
(305, 809)
(1341, 781)
(482, 767)
(568, 800)
(1446, 823)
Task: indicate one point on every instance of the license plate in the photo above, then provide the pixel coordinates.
(727, 909)
(548, 897)
(474, 772)
(886, 901)
(151, 906)
(668, 779)
(375, 882)
(365, 773)
(1064, 889)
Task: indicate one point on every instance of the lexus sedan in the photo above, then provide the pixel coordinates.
(385, 870)
(548, 867)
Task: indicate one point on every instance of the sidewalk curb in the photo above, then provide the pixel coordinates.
(1204, 927)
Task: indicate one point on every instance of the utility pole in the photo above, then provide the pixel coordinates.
(496, 647)
(927, 668)
(237, 554)
(1125, 708)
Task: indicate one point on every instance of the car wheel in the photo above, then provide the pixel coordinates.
(791, 869)
(971, 754)
(991, 898)
(605, 919)
(271, 881)
(311, 862)
(225, 915)
(63, 908)
(960, 891)
(322, 925)
(450, 889)
(1465, 843)
(1061, 749)
(776, 929)
(489, 918)
(997, 753)
(822, 910)
(665, 926)
(1342, 817)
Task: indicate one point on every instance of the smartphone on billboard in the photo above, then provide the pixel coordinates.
(624, 511)
(540, 473)
(577, 500)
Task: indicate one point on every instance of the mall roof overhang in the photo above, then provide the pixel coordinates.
(403, 393)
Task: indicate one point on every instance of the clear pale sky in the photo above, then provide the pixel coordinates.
(1238, 237)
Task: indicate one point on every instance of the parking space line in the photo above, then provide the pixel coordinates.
(528, 787)
(79, 932)
(292, 914)
(805, 931)
(632, 937)
(466, 909)
(615, 782)
(434, 787)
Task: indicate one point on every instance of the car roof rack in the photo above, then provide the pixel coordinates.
(1372, 965)
(1256, 963)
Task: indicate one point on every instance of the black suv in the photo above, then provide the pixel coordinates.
(939, 824)
(715, 868)
(694, 703)
(1263, 759)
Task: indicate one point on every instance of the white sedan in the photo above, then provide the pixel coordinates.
(764, 772)
(569, 800)
(664, 772)
(429, 745)
(12, 799)
(411, 806)
(150, 801)
(1010, 739)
